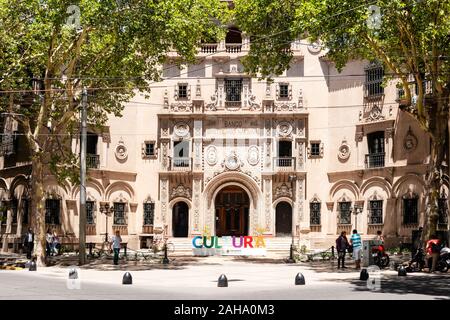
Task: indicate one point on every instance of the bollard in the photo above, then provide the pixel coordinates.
(223, 281)
(402, 271)
(363, 275)
(73, 274)
(127, 278)
(299, 279)
(33, 266)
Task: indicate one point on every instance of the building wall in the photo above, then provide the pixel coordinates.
(324, 105)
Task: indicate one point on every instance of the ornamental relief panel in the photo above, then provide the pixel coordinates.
(181, 191)
(283, 191)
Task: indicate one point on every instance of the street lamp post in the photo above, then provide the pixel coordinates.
(106, 209)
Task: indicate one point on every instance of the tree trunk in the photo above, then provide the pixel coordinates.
(38, 209)
(434, 179)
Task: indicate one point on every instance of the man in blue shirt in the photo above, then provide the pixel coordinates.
(355, 241)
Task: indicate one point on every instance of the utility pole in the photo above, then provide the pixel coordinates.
(83, 140)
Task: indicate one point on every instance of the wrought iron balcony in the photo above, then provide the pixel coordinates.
(285, 164)
(181, 164)
(92, 161)
(374, 160)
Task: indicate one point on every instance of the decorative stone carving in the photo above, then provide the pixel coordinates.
(121, 150)
(283, 191)
(181, 191)
(212, 106)
(344, 198)
(211, 155)
(253, 155)
(284, 129)
(252, 104)
(232, 162)
(267, 184)
(181, 129)
(198, 90)
(410, 142)
(196, 204)
(164, 184)
(359, 136)
(300, 98)
(375, 113)
(301, 152)
(390, 132)
(344, 151)
(375, 196)
(181, 107)
(315, 47)
(166, 99)
(285, 106)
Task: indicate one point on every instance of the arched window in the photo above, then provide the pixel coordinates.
(410, 208)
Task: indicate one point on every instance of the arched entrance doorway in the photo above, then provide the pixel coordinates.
(232, 212)
(283, 219)
(180, 219)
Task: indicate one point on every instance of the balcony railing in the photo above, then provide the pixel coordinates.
(375, 160)
(92, 161)
(233, 47)
(233, 104)
(181, 164)
(284, 163)
(208, 47)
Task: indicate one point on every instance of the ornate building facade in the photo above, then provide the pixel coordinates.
(212, 150)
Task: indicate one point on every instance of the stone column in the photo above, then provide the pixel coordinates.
(20, 204)
(267, 194)
(196, 205)
(359, 149)
(164, 199)
(8, 226)
(301, 220)
(388, 145)
(332, 221)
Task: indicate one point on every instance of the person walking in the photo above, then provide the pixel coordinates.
(29, 242)
(55, 243)
(433, 251)
(48, 242)
(355, 241)
(341, 247)
(116, 243)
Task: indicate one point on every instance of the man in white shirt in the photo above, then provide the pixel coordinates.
(116, 243)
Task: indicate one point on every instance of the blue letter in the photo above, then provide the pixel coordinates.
(195, 245)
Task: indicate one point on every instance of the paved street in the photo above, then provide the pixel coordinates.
(197, 279)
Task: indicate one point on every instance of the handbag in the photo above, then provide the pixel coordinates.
(350, 248)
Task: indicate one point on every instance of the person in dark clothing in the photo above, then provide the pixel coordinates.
(29, 242)
(341, 247)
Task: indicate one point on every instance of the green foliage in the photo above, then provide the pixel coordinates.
(116, 51)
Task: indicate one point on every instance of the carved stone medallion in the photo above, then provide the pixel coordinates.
(344, 151)
(253, 155)
(211, 155)
(284, 129)
(121, 151)
(181, 129)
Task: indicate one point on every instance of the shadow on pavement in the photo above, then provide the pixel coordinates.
(433, 285)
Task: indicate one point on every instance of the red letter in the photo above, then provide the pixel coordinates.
(248, 241)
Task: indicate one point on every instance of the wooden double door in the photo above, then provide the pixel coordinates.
(232, 212)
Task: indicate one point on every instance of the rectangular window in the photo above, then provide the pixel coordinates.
(149, 149)
(26, 207)
(90, 212)
(284, 90)
(3, 212)
(315, 149)
(410, 214)
(443, 211)
(376, 212)
(233, 90)
(374, 81)
(119, 213)
(344, 212)
(182, 91)
(52, 211)
(314, 209)
(149, 212)
(14, 204)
